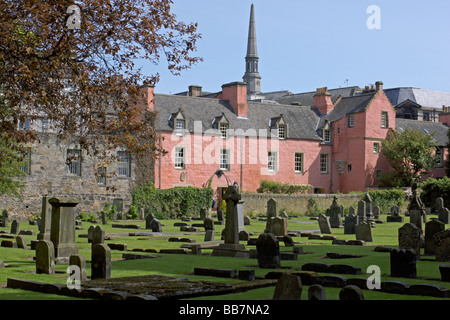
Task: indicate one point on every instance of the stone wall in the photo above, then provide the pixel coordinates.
(49, 176)
(256, 203)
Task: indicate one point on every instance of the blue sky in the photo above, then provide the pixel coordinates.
(304, 45)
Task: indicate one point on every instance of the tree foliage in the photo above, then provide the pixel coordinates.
(84, 81)
(411, 154)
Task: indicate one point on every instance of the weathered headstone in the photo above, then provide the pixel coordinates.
(90, 233)
(244, 235)
(442, 245)
(350, 223)
(141, 214)
(376, 212)
(5, 218)
(368, 200)
(62, 232)
(247, 221)
(351, 292)
(46, 220)
(156, 225)
(234, 213)
(316, 292)
(395, 215)
(21, 243)
(79, 261)
(148, 220)
(335, 214)
(363, 231)
(403, 263)
(283, 214)
(104, 217)
(409, 238)
(14, 227)
(416, 217)
(431, 228)
(268, 251)
(361, 210)
(209, 224)
(45, 257)
(279, 226)
(209, 235)
(220, 216)
(100, 262)
(98, 235)
(444, 215)
(271, 212)
(324, 224)
(203, 213)
(439, 204)
(289, 287)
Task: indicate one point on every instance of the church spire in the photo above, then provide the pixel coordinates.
(251, 75)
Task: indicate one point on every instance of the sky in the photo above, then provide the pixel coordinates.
(304, 45)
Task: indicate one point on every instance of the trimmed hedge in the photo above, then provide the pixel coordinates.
(434, 188)
(266, 186)
(386, 198)
(175, 203)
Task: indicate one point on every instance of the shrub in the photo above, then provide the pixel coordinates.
(434, 188)
(387, 198)
(266, 186)
(172, 203)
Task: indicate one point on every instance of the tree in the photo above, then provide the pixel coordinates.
(83, 81)
(411, 154)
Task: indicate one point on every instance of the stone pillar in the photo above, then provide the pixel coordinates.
(62, 232)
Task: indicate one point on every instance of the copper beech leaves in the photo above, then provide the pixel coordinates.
(84, 81)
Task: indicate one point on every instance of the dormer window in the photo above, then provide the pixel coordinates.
(223, 128)
(280, 127)
(180, 126)
(222, 124)
(326, 135)
(178, 122)
(282, 131)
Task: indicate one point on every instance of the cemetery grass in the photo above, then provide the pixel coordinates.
(20, 263)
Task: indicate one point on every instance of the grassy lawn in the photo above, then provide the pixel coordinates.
(20, 264)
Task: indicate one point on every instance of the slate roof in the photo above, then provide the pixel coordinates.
(426, 98)
(307, 98)
(302, 121)
(439, 129)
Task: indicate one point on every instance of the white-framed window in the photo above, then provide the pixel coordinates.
(180, 126)
(179, 158)
(223, 128)
(376, 147)
(324, 163)
(224, 159)
(298, 162)
(272, 161)
(282, 131)
(123, 164)
(351, 120)
(327, 135)
(384, 119)
(101, 176)
(73, 162)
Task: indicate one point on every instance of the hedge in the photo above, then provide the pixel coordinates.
(266, 186)
(386, 198)
(175, 203)
(434, 188)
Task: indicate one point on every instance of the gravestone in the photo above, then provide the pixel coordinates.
(209, 235)
(409, 238)
(104, 217)
(395, 215)
(444, 215)
(268, 251)
(361, 210)
(316, 292)
(335, 214)
(439, 204)
(62, 232)
(208, 224)
(368, 200)
(149, 220)
(247, 221)
(417, 218)
(220, 215)
(45, 257)
(350, 223)
(21, 243)
(324, 224)
(289, 287)
(90, 233)
(142, 214)
(431, 228)
(352, 211)
(244, 235)
(351, 292)
(234, 213)
(442, 245)
(271, 212)
(5, 218)
(203, 213)
(363, 231)
(376, 212)
(403, 263)
(156, 225)
(79, 261)
(46, 220)
(14, 227)
(98, 235)
(100, 261)
(279, 226)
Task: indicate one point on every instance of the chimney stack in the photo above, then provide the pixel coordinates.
(195, 91)
(322, 100)
(379, 86)
(236, 93)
